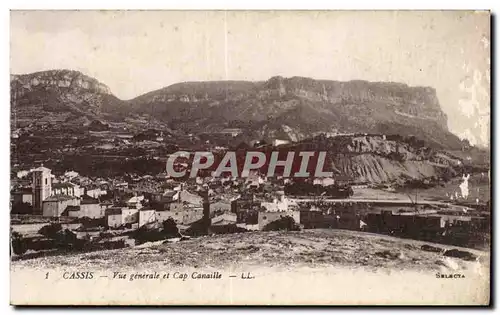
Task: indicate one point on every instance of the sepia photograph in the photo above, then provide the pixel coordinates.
(239, 157)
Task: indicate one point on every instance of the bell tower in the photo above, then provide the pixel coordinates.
(42, 187)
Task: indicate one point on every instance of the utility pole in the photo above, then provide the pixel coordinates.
(414, 202)
(206, 213)
(416, 199)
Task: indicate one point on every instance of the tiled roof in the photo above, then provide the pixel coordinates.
(113, 210)
(86, 200)
(59, 198)
(62, 185)
(41, 169)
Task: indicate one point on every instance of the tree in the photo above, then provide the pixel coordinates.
(51, 230)
(19, 245)
(286, 223)
(170, 228)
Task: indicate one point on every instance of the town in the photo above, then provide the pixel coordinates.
(52, 212)
(254, 160)
(239, 157)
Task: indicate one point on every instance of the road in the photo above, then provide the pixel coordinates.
(380, 201)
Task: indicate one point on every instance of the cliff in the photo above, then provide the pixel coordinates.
(380, 159)
(294, 108)
(56, 96)
(57, 79)
(383, 159)
(297, 108)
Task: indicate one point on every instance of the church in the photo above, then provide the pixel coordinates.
(51, 199)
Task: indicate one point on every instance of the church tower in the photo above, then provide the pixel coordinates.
(42, 187)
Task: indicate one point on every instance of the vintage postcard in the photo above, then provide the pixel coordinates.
(250, 157)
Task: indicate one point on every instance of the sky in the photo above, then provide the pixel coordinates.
(134, 52)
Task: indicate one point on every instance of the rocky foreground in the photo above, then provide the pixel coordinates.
(306, 267)
(311, 248)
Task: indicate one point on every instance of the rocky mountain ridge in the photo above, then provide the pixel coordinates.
(418, 102)
(297, 108)
(293, 108)
(57, 96)
(73, 80)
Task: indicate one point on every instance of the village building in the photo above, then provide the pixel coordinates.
(23, 195)
(284, 204)
(90, 208)
(181, 213)
(147, 216)
(120, 216)
(224, 219)
(67, 189)
(130, 216)
(186, 196)
(114, 217)
(278, 142)
(54, 206)
(70, 175)
(121, 186)
(22, 174)
(233, 132)
(254, 180)
(315, 218)
(177, 206)
(95, 192)
(71, 211)
(135, 202)
(220, 206)
(326, 181)
(168, 196)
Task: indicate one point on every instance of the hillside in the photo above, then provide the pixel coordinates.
(288, 108)
(312, 248)
(59, 96)
(311, 266)
(297, 108)
(384, 159)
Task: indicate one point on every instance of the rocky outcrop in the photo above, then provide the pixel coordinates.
(417, 102)
(305, 106)
(57, 79)
(379, 159)
(56, 96)
(401, 99)
(286, 108)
